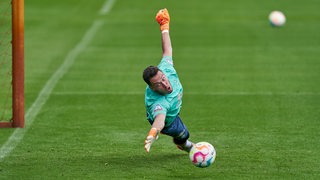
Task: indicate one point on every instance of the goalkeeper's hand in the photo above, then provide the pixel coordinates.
(163, 19)
(152, 136)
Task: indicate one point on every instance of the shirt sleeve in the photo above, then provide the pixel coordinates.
(166, 64)
(166, 61)
(159, 108)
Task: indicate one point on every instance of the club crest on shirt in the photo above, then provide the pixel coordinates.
(157, 108)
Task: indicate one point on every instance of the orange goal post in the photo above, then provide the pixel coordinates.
(14, 90)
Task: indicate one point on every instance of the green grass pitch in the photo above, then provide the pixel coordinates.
(251, 90)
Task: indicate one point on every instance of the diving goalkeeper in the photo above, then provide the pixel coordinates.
(163, 96)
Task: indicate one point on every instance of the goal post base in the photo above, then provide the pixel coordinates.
(6, 125)
(11, 124)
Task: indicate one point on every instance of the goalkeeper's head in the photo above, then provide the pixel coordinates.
(157, 80)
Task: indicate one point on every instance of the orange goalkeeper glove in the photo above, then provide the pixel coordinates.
(152, 136)
(163, 19)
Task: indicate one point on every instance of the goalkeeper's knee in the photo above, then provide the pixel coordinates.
(182, 138)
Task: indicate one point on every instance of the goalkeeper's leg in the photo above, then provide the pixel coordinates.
(180, 134)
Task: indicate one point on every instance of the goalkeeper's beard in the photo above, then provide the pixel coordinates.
(168, 90)
(165, 90)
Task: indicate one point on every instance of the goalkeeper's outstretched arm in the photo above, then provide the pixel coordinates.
(166, 44)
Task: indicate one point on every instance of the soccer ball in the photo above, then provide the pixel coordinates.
(202, 154)
(277, 18)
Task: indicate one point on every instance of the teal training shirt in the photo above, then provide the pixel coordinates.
(168, 104)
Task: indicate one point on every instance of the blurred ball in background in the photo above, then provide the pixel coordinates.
(277, 18)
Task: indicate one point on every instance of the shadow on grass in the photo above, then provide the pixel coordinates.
(145, 161)
(170, 165)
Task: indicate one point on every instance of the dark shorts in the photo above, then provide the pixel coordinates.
(177, 130)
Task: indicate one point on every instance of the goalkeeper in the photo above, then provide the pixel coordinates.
(163, 96)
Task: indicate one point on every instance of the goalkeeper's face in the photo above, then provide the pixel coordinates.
(160, 84)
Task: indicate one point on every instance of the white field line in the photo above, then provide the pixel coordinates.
(45, 93)
(107, 7)
(195, 93)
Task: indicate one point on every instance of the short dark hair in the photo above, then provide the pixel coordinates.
(149, 72)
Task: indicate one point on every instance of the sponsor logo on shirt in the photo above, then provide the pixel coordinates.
(157, 108)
